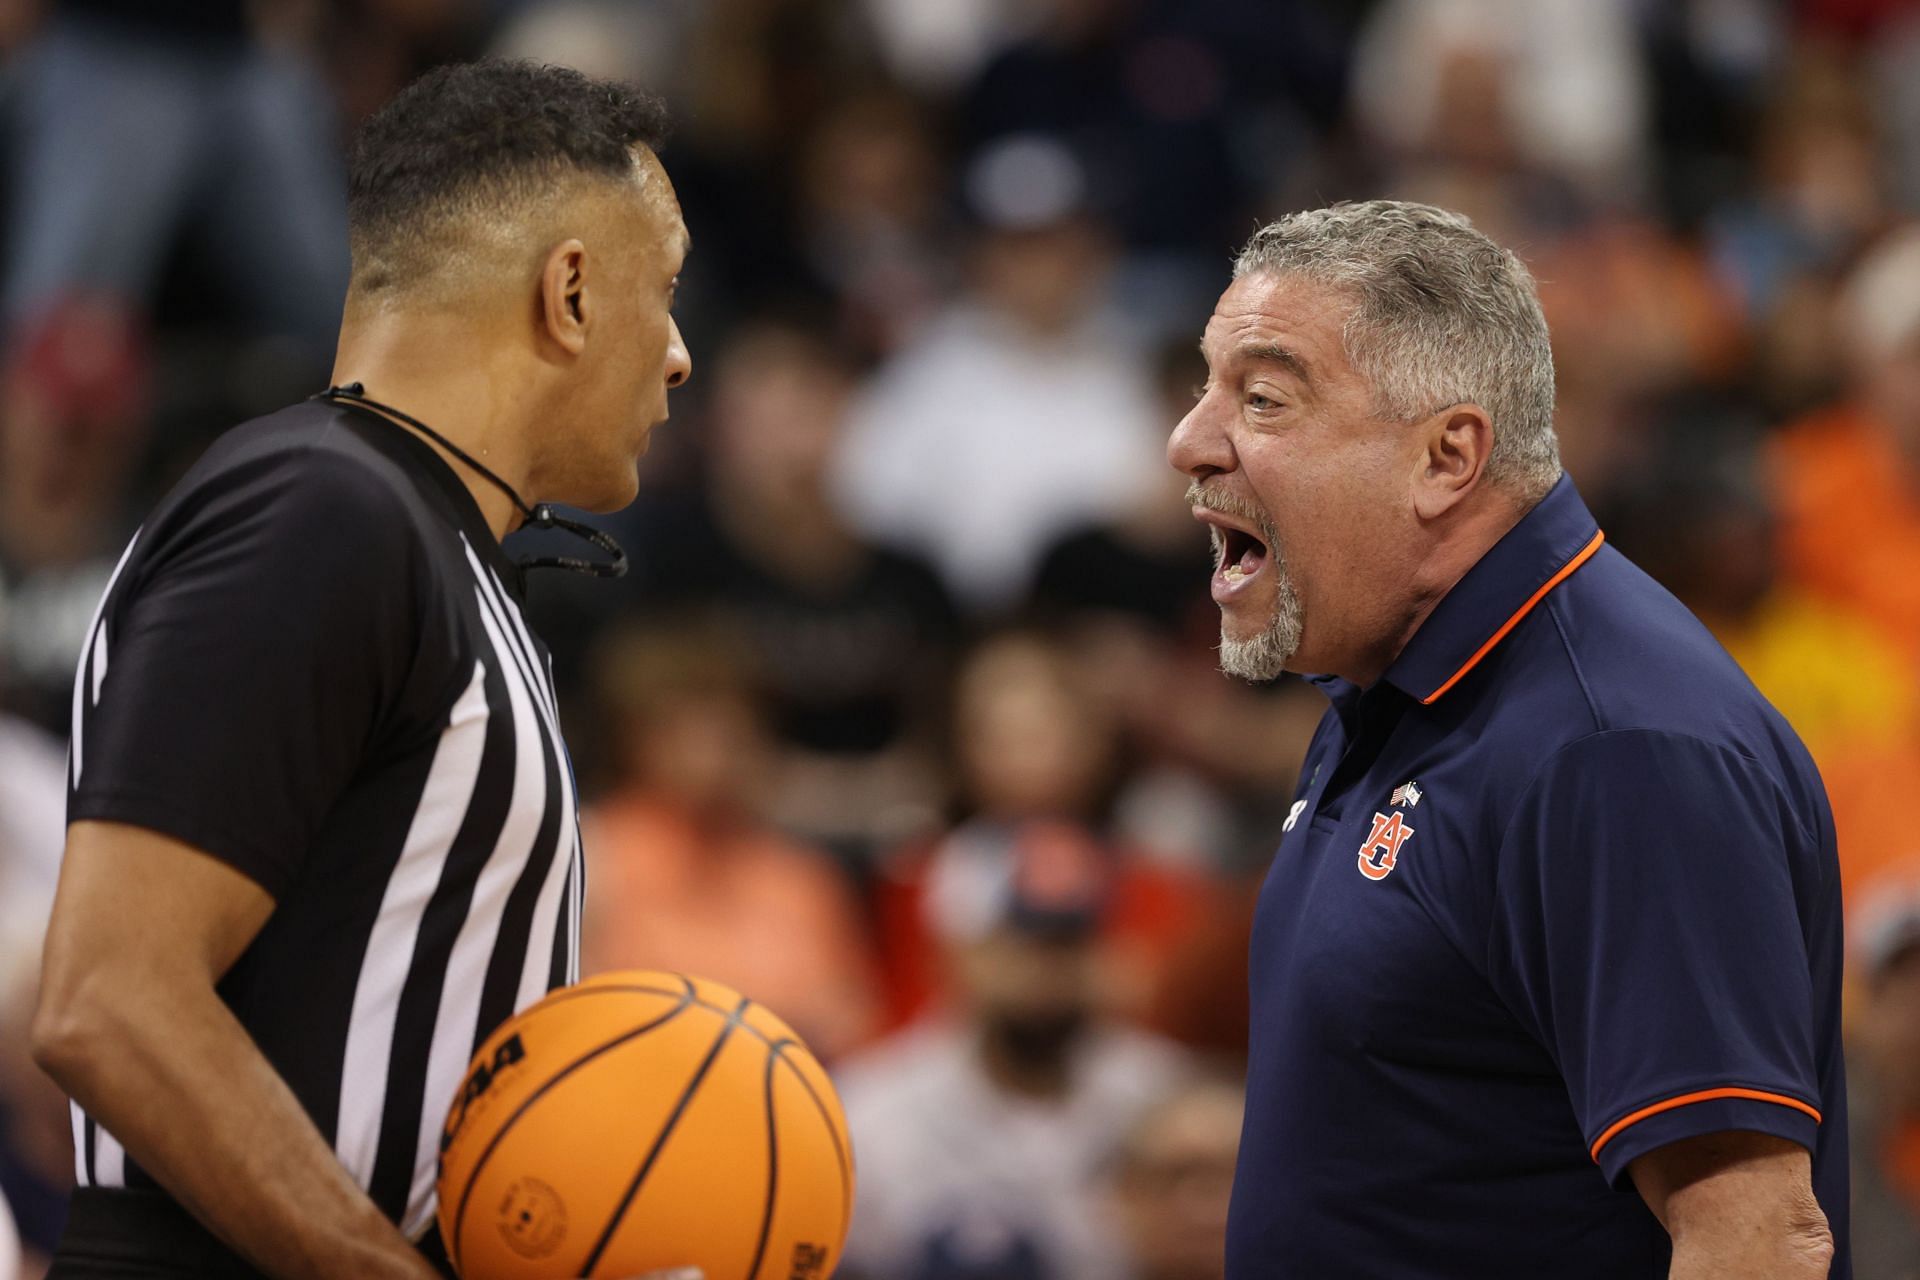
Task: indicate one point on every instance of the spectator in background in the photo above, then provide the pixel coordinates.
(1891, 56)
(872, 220)
(1037, 761)
(1178, 115)
(36, 1129)
(1846, 482)
(1848, 476)
(1532, 119)
(33, 773)
(1818, 193)
(1701, 523)
(937, 46)
(686, 875)
(982, 1134)
(1883, 1084)
(851, 643)
(1173, 1178)
(1819, 190)
(138, 122)
(1020, 412)
(1129, 595)
(1556, 89)
(1146, 564)
(74, 401)
(36, 1154)
(9, 1246)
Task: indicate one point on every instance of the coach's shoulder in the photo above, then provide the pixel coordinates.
(1642, 661)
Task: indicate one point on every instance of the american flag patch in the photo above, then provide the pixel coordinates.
(1407, 793)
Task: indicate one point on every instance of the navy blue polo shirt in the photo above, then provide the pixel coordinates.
(1558, 889)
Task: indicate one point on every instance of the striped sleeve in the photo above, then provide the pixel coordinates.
(242, 659)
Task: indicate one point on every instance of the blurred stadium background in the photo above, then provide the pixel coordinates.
(907, 721)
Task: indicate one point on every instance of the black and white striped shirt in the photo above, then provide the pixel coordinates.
(312, 664)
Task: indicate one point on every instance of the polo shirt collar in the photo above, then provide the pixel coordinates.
(1535, 556)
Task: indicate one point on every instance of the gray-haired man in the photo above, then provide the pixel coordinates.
(1556, 916)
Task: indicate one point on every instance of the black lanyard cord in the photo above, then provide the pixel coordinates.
(540, 516)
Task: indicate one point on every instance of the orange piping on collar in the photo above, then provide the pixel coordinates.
(1581, 557)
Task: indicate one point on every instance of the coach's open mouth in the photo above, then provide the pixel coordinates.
(1239, 555)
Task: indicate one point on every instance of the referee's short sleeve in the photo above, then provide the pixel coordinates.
(252, 649)
(1646, 928)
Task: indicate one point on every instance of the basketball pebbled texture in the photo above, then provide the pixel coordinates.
(644, 1120)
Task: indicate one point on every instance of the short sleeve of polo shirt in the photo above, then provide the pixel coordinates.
(244, 658)
(1646, 930)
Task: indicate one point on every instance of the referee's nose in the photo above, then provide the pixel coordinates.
(1200, 446)
(679, 362)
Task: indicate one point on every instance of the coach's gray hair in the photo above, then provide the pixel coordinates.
(1442, 316)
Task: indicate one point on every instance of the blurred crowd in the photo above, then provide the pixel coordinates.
(907, 720)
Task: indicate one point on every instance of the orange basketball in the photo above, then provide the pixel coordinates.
(639, 1121)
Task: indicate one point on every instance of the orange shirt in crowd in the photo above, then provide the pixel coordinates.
(1850, 519)
(1872, 794)
(737, 903)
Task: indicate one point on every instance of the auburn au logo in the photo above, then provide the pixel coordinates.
(1382, 849)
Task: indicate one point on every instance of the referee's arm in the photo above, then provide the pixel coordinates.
(130, 1025)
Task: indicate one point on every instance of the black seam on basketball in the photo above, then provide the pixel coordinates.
(466, 1192)
(724, 1012)
(666, 1131)
(773, 1171)
(833, 1130)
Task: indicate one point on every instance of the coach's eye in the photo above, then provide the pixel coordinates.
(1259, 402)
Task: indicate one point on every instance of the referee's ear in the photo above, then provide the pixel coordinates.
(1455, 444)
(563, 307)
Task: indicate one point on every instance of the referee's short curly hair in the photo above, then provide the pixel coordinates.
(466, 150)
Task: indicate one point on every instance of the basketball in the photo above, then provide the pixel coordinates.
(645, 1120)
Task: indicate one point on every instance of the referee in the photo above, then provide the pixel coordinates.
(1546, 972)
(323, 833)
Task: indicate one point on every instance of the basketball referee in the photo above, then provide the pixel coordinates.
(323, 833)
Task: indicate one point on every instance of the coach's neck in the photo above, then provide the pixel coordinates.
(452, 371)
(1452, 548)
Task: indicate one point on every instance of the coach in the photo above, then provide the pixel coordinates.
(323, 835)
(1555, 918)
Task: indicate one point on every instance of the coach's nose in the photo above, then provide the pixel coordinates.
(1199, 446)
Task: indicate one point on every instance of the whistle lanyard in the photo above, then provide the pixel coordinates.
(539, 516)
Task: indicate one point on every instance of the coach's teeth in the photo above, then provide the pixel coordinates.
(1233, 573)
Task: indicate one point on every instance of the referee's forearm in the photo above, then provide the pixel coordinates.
(172, 1075)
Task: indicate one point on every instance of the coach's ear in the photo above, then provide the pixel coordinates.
(1454, 446)
(564, 308)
